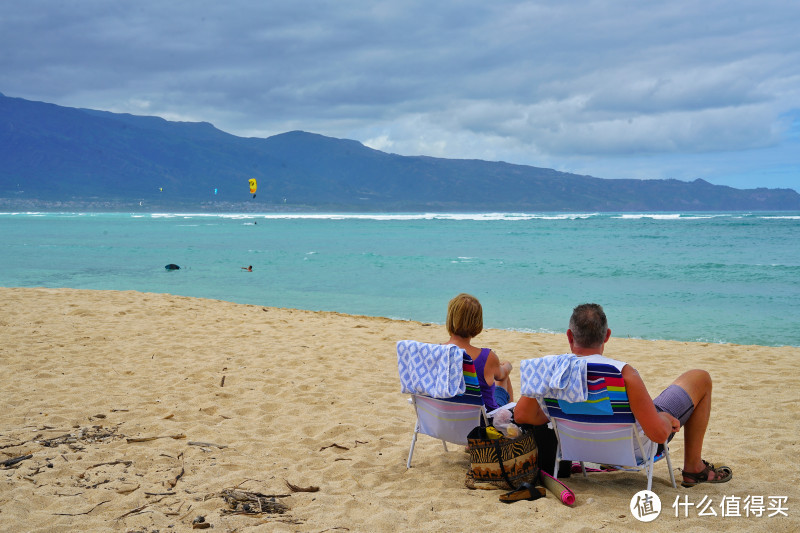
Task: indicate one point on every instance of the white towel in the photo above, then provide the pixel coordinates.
(435, 370)
(555, 376)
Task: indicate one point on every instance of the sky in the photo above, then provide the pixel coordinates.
(613, 89)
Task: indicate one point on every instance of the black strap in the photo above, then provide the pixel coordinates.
(484, 424)
(503, 472)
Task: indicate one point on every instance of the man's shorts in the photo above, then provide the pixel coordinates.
(677, 402)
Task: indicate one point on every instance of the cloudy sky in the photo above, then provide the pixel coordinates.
(615, 89)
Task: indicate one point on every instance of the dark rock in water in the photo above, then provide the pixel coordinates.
(172, 266)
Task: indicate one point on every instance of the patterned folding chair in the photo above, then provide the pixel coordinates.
(603, 429)
(449, 418)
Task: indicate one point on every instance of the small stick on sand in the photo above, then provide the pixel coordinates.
(13, 445)
(334, 445)
(146, 439)
(188, 511)
(79, 514)
(117, 462)
(206, 444)
(175, 481)
(132, 511)
(295, 488)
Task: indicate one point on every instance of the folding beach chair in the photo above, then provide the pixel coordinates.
(603, 429)
(449, 419)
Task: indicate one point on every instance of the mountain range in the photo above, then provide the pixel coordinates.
(55, 157)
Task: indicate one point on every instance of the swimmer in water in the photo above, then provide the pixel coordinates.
(248, 268)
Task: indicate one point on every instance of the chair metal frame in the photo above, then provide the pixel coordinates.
(459, 420)
(619, 433)
(606, 421)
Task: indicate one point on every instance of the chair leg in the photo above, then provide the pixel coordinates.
(649, 467)
(583, 468)
(413, 442)
(669, 465)
(558, 460)
(445, 445)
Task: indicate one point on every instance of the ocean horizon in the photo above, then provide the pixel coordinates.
(721, 277)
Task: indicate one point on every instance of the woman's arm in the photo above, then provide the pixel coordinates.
(496, 370)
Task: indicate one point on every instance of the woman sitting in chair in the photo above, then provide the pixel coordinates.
(465, 321)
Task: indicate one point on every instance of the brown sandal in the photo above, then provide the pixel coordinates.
(722, 474)
(526, 491)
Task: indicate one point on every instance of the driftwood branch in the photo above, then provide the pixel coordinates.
(15, 460)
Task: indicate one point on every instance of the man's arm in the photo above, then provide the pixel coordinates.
(657, 426)
(527, 411)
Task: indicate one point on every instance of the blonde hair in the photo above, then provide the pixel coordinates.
(464, 316)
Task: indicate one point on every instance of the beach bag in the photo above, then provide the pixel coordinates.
(501, 463)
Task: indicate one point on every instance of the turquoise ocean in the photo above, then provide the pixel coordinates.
(709, 277)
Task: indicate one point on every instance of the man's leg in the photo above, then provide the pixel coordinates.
(697, 384)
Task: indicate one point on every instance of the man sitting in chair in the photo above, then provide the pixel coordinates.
(685, 403)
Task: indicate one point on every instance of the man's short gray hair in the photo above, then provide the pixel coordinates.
(589, 325)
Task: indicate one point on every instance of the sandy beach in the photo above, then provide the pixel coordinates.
(140, 411)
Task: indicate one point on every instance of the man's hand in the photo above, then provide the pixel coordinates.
(671, 420)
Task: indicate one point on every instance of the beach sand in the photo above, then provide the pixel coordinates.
(257, 398)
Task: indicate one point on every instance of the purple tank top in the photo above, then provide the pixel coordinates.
(487, 392)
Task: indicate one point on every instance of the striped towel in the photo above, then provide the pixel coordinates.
(608, 398)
